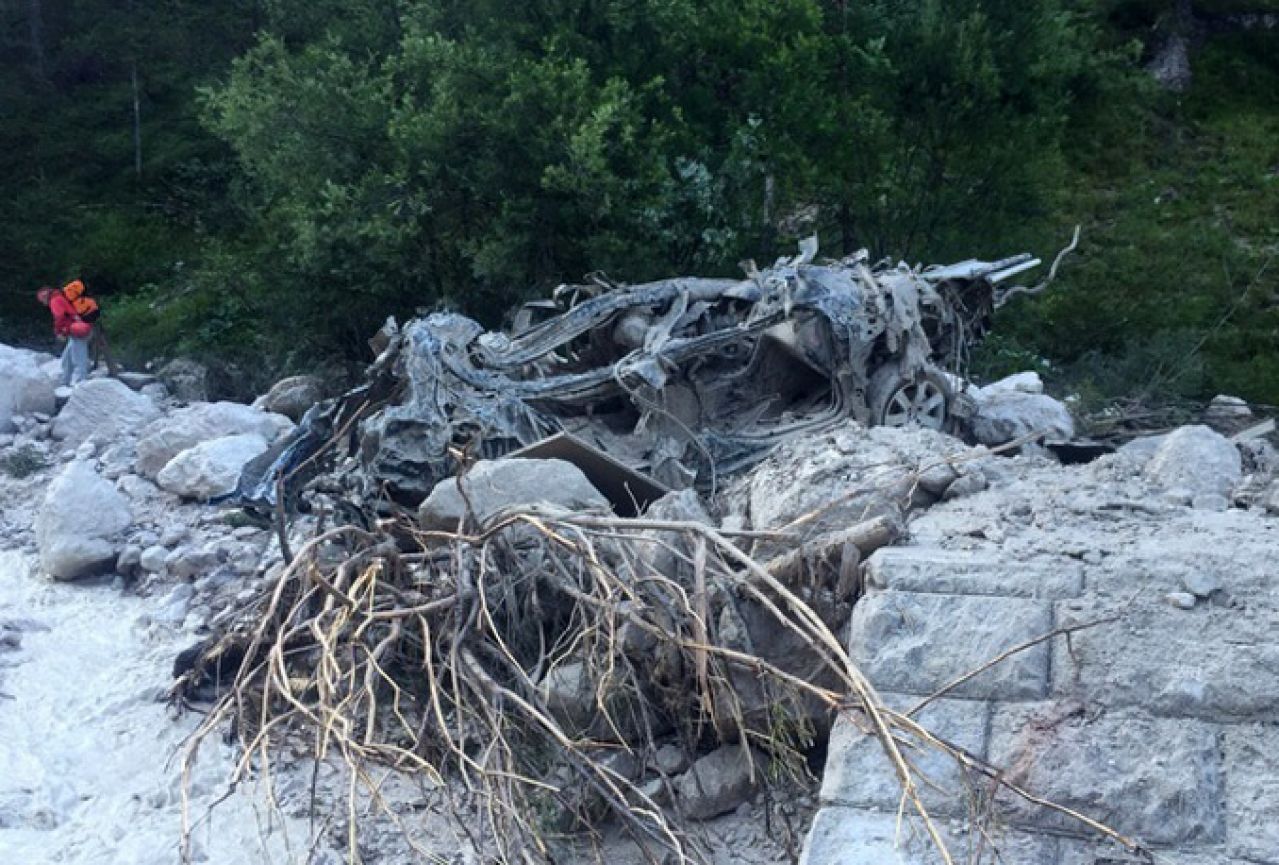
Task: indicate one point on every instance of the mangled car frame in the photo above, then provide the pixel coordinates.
(681, 380)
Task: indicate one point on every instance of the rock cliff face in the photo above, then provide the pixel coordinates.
(1102, 634)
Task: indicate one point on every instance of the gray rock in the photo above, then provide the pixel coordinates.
(153, 559)
(211, 468)
(79, 522)
(670, 760)
(853, 836)
(669, 552)
(969, 483)
(103, 408)
(574, 698)
(860, 774)
(187, 563)
(493, 485)
(129, 560)
(137, 380)
(1228, 414)
(938, 478)
(719, 782)
(1220, 666)
(1180, 600)
(1196, 459)
(1252, 789)
(569, 694)
(173, 535)
(1020, 382)
(844, 476)
(896, 639)
(293, 396)
(1210, 502)
(1006, 415)
(1157, 779)
(25, 386)
(186, 380)
(245, 559)
(1200, 583)
(199, 423)
(157, 392)
(959, 572)
(218, 579)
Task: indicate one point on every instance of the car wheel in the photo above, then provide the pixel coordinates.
(896, 400)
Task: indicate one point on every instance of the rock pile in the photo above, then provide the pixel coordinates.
(951, 575)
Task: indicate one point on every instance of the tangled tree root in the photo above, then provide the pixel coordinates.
(462, 660)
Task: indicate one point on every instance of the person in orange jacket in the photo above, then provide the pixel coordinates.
(69, 326)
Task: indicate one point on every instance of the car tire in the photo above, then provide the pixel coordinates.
(921, 399)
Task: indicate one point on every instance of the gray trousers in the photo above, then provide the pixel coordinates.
(75, 361)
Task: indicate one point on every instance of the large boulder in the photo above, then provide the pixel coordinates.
(493, 485)
(1197, 461)
(1016, 407)
(202, 422)
(104, 408)
(186, 380)
(79, 523)
(25, 387)
(292, 396)
(211, 468)
(836, 479)
(1228, 414)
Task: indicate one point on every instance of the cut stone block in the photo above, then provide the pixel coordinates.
(1077, 852)
(1252, 792)
(1212, 663)
(916, 643)
(1156, 779)
(850, 836)
(859, 774)
(956, 572)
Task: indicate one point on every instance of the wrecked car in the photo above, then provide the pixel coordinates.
(675, 383)
(687, 378)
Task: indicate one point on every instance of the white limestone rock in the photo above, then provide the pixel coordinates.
(79, 524)
(211, 468)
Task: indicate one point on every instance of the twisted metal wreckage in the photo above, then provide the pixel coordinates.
(659, 386)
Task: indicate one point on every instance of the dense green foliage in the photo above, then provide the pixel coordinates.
(308, 168)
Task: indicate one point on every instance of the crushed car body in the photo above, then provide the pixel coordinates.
(683, 380)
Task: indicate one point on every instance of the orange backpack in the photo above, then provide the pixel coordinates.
(85, 307)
